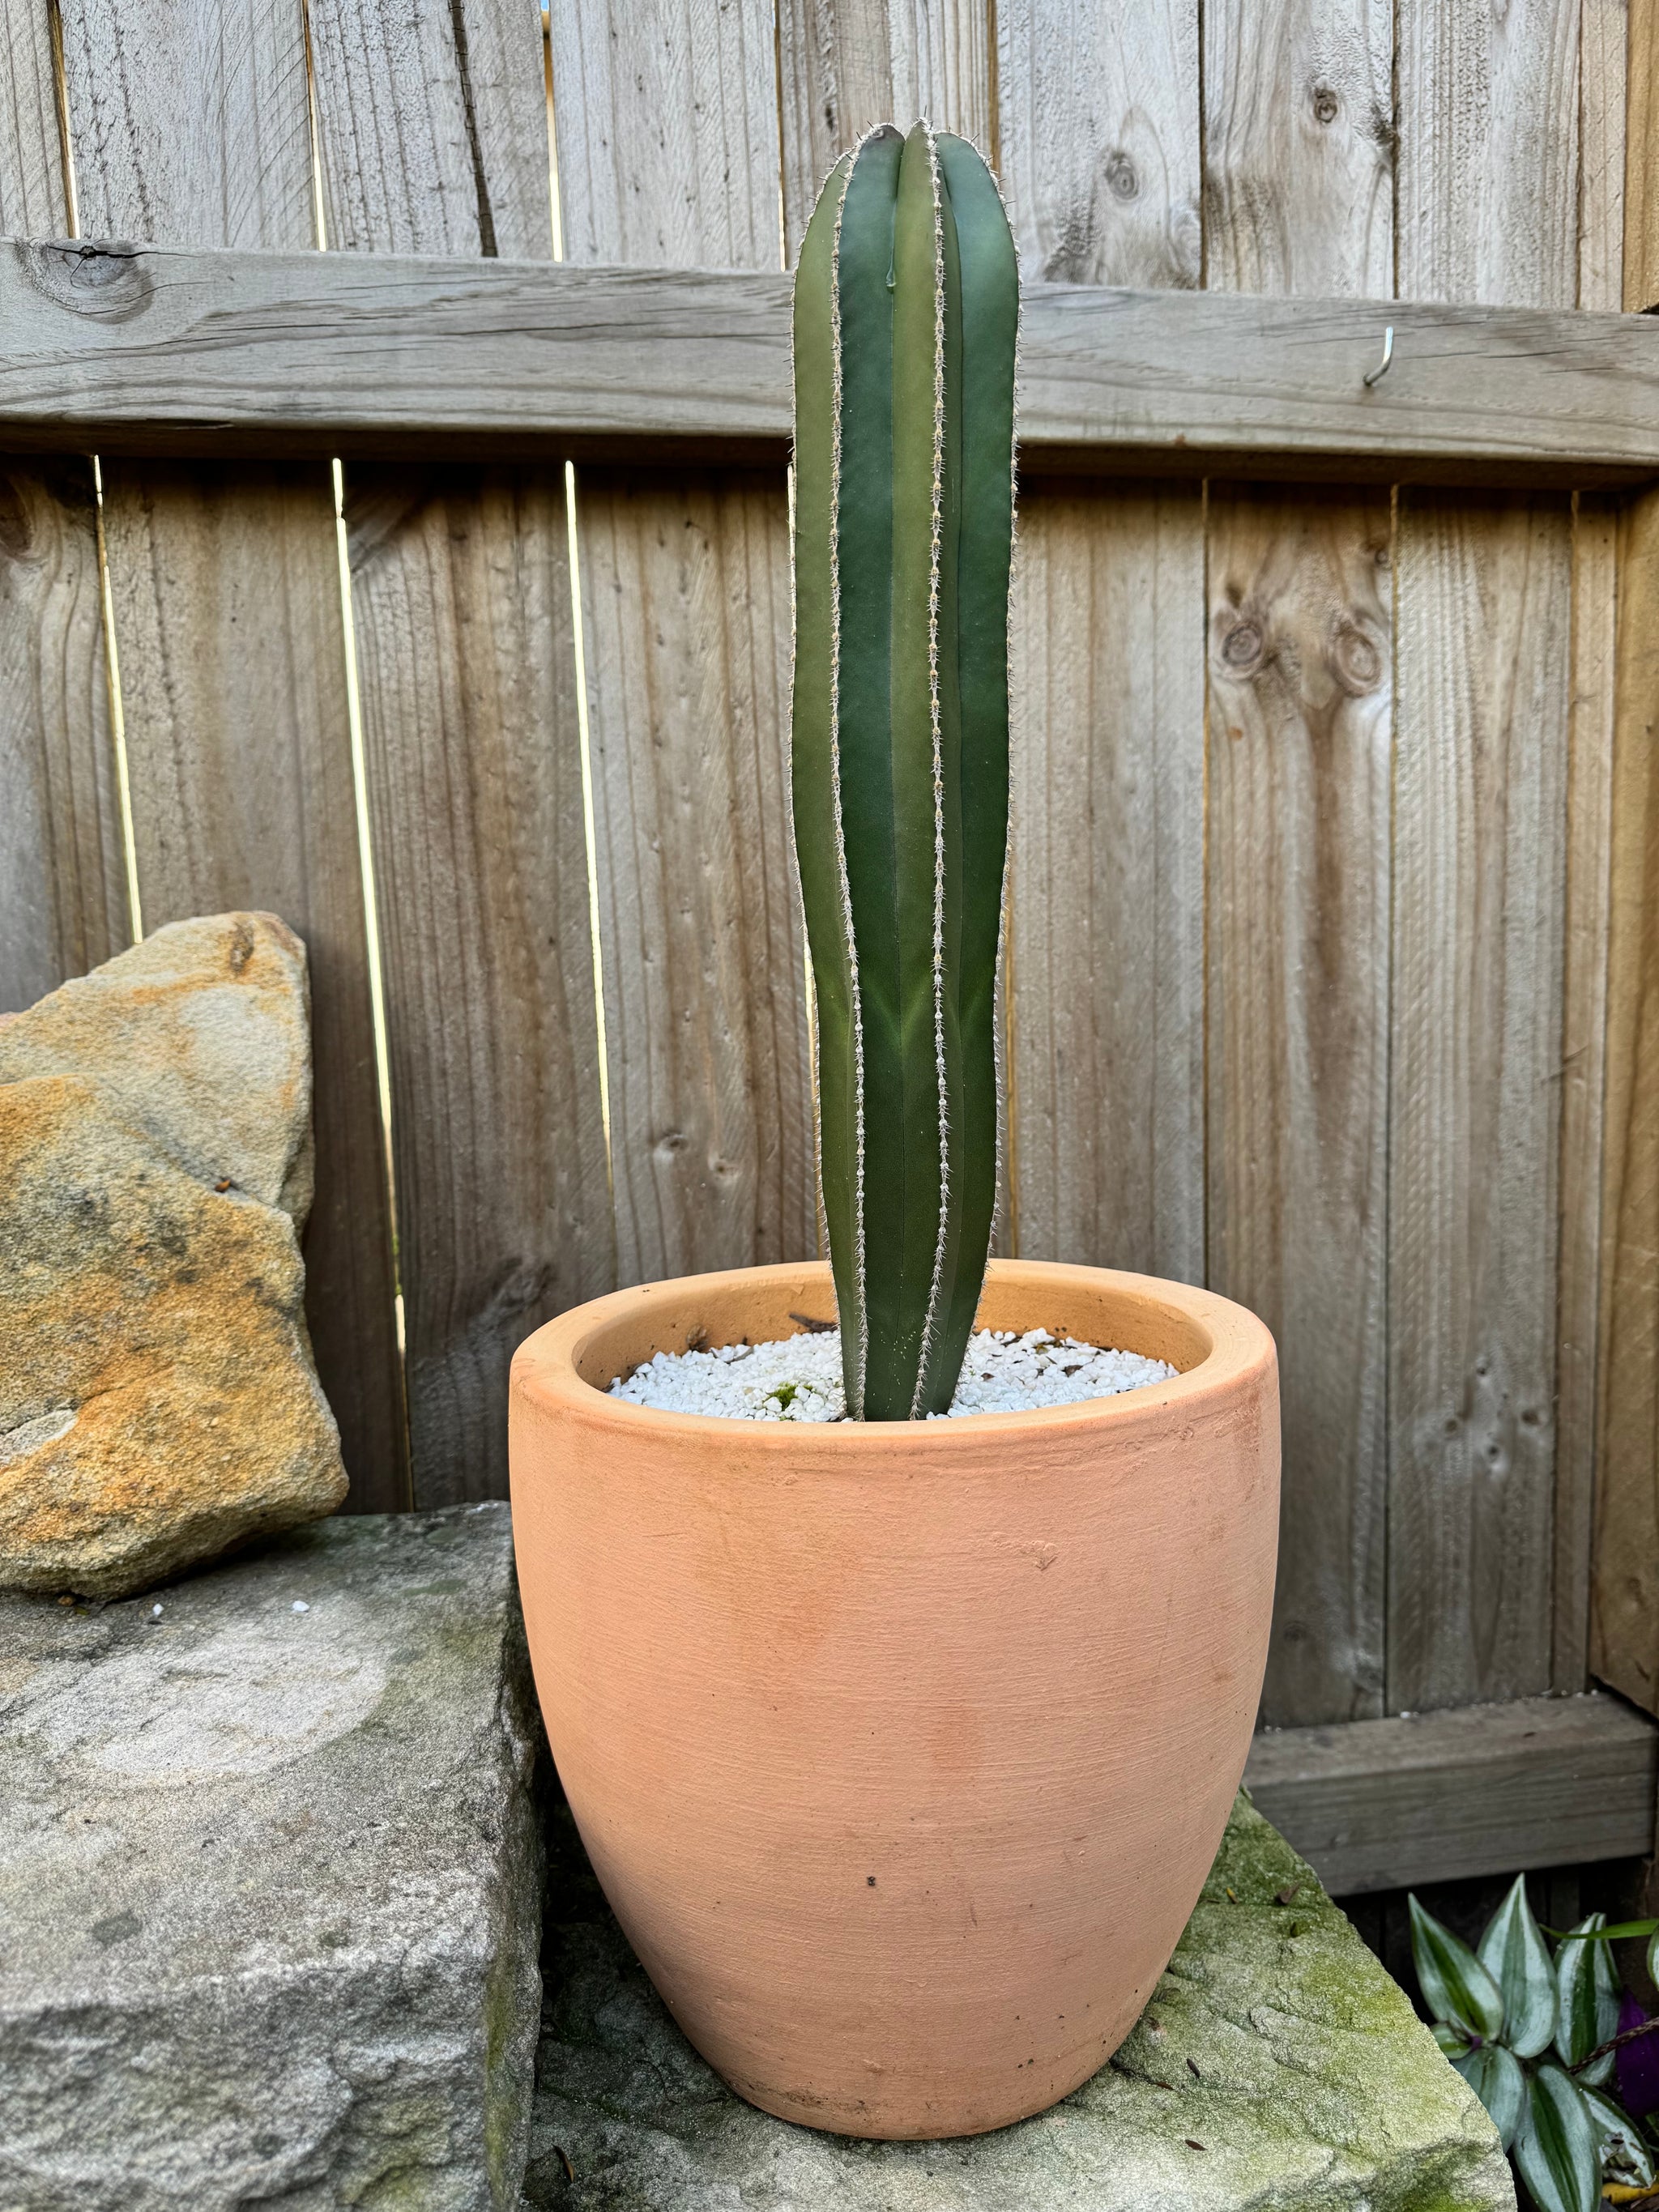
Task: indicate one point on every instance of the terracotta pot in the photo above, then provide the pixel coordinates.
(901, 1749)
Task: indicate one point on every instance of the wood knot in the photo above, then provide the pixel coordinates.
(1122, 180)
(1356, 658)
(1326, 106)
(1241, 647)
(104, 278)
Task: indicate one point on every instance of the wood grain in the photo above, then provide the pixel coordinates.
(844, 65)
(1298, 200)
(1640, 276)
(63, 872)
(1488, 116)
(62, 888)
(1300, 665)
(1386, 1804)
(191, 124)
(183, 353)
(433, 136)
(1099, 127)
(1106, 982)
(685, 596)
(1583, 1065)
(34, 195)
(1489, 210)
(1107, 953)
(1606, 29)
(1298, 136)
(1483, 652)
(710, 1114)
(461, 594)
(1624, 1620)
(431, 127)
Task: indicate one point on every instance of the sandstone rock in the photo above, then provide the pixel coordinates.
(157, 1398)
(1276, 2070)
(158, 1402)
(200, 1037)
(269, 1882)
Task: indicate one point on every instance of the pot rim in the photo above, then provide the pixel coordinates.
(546, 1371)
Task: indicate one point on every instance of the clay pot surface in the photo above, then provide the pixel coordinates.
(901, 1749)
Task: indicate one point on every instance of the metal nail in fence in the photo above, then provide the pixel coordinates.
(1382, 369)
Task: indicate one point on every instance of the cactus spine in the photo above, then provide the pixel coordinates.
(907, 306)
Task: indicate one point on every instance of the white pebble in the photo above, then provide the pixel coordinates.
(155, 1613)
(299, 1606)
(798, 1378)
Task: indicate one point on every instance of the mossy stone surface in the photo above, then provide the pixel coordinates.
(1277, 2069)
(271, 1881)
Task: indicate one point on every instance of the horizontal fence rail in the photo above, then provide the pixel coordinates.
(145, 349)
(1423, 1798)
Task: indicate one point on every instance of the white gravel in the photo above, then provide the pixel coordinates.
(798, 1378)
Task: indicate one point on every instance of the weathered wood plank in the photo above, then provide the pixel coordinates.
(1606, 29)
(1640, 282)
(685, 595)
(1106, 948)
(1384, 1804)
(62, 888)
(164, 350)
(1099, 131)
(1298, 876)
(1625, 1595)
(1583, 1067)
(62, 873)
(433, 136)
(33, 182)
(431, 127)
(462, 602)
(1482, 666)
(1298, 130)
(1488, 210)
(1624, 1587)
(192, 125)
(847, 65)
(1298, 199)
(1488, 183)
(1106, 972)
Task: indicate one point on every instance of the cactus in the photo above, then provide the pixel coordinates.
(907, 308)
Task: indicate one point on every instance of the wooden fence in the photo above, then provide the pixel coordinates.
(444, 608)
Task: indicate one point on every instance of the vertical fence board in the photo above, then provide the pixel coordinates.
(1489, 210)
(1108, 909)
(1604, 35)
(433, 138)
(1299, 673)
(1482, 671)
(1299, 198)
(1100, 151)
(190, 125)
(669, 152)
(63, 883)
(1488, 192)
(1583, 1052)
(1299, 132)
(1605, 31)
(847, 65)
(1099, 131)
(1625, 1623)
(1640, 281)
(1625, 1588)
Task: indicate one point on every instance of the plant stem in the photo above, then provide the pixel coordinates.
(1648, 2028)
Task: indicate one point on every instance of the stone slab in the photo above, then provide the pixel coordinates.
(270, 1882)
(1279, 2069)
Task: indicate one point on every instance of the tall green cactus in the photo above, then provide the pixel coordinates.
(907, 309)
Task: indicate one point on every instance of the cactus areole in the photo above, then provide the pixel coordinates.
(906, 311)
